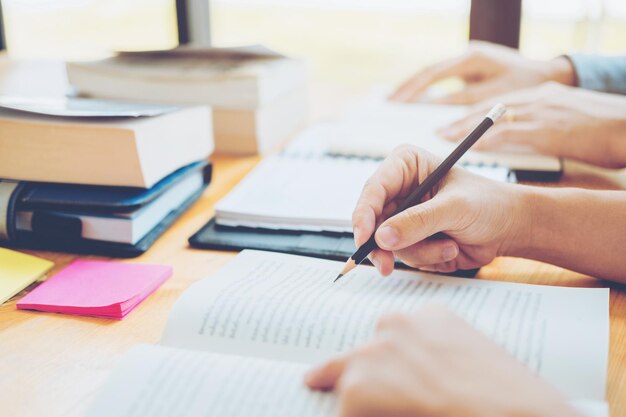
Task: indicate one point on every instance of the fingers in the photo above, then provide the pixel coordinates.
(515, 133)
(383, 261)
(458, 130)
(433, 255)
(365, 214)
(520, 104)
(429, 253)
(326, 376)
(397, 172)
(507, 133)
(418, 223)
(443, 267)
(461, 66)
(523, 130)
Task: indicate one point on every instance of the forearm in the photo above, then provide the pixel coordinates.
(617, 143)
(602, 139)
(582, 230)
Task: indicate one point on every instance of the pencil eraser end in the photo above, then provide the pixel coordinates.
(496, 112)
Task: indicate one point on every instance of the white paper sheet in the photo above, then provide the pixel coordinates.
(161, 382)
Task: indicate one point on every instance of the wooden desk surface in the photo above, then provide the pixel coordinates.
(53, 365)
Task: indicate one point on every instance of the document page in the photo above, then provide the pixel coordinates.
(163, 382)
(286, 307)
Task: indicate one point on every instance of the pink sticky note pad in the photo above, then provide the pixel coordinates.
(97, 288)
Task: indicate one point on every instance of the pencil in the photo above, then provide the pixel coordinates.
(422, 189)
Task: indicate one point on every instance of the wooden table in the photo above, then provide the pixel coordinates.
(53, 365)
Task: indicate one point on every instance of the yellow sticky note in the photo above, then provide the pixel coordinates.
(18, 271)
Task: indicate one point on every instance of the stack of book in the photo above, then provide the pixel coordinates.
(258, 96)
(95, 176)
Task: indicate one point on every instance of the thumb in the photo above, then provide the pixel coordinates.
(325, 377)
(417, 223)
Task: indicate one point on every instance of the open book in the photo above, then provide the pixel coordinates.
(238, 343)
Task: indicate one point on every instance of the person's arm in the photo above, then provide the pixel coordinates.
(487, 70)
(557, 120)
(475, 219)
(582, 230)
(431, 364)
(600, 73)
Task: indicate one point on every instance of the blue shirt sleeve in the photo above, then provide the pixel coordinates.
(600, 73)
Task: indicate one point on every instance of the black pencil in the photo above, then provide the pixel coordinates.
(416, 196)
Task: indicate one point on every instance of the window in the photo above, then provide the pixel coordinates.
(83, 29)
(360, 42)
(355, 43)
(349, 42)
(554, 27)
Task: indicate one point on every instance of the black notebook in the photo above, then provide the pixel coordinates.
(326, 245)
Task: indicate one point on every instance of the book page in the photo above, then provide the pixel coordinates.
(158, 381)
(591, 408)
(273, 305)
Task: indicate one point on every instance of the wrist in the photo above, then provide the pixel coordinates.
(543, 223)
(518, 239)
(561, 70)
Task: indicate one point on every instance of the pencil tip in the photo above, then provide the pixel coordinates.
(349, 266)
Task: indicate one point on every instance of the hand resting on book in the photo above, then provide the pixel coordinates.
(487, 70)
(434, 364)
(555, 120)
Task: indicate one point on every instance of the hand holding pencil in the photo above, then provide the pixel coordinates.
(425, 210)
